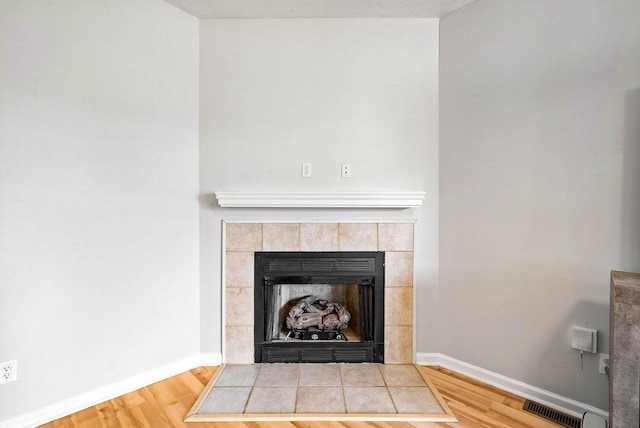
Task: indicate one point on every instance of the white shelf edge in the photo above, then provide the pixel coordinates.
(320, 200)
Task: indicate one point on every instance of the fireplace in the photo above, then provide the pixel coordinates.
(243, 239)
(319, 307)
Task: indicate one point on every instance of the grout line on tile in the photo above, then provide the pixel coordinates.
(295, 403)
(392, 400)
(344, 397)
(382, 375)
(386, 386)
(261, 236)
(246, 404)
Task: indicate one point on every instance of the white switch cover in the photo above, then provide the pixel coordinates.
(584, 339)
(306, 169)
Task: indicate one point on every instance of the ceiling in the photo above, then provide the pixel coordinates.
(318, 8)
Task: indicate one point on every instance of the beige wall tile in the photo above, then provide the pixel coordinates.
(395, 237)
(239, 305)
(281, 237)
(244, 237)
(398, 269)
(239, 344)
(398, 344)
(358, 236)
(318, 237)
(398, 306)
(239, 269)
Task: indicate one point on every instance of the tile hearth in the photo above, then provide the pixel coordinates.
(312, 390)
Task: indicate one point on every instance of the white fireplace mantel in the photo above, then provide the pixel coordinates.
(320, 200)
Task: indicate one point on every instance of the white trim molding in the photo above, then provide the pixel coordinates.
(210, 359)
(320, 200)
(542, 396)
(107, 392)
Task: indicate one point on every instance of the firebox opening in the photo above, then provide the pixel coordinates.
(319, 307)
(314, 312)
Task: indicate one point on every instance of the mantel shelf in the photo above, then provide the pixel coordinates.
(320, 200)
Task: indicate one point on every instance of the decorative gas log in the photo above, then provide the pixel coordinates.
(321, 315)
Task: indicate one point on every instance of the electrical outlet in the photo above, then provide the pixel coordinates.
(346, 170)
(8, 371)
(603, 365)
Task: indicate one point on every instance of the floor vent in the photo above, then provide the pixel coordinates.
(551, 414)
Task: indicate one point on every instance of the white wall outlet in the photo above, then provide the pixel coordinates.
(8, 371)
(346, 170)
(603, 365)
(306, 169)
(584, 339)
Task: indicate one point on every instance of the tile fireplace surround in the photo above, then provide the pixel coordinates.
(243, 239)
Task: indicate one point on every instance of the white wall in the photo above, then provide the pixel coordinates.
(279, 92)
(98, 194)
(540, 182)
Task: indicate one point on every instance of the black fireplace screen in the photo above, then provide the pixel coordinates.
(319, 307)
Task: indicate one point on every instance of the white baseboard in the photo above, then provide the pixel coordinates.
(107, 392)
(548, 398)
(211, 359)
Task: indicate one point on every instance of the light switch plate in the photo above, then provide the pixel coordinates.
(306, 169)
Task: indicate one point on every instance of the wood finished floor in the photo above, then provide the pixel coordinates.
(165, 404)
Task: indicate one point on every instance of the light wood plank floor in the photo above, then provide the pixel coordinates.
(165, 404)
